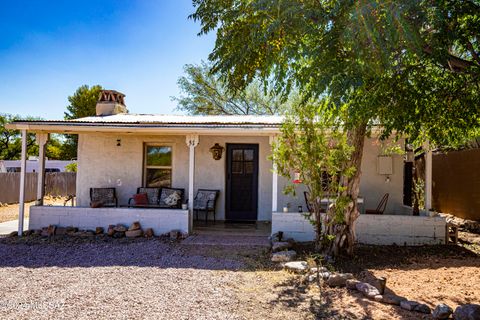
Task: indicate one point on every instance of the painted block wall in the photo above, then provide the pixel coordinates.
(371, 229)
(160, 220)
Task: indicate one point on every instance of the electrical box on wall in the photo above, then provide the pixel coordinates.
(385, 165)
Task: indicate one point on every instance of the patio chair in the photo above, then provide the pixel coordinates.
(306, 195)
(171, 198)
(205, 200)
(103, 197)
(308, 203)
(381, 206)
(152, 194)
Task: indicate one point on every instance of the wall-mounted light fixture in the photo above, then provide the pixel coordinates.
(217, 151)
(119, 142)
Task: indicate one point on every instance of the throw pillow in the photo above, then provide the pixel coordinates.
(140, 198)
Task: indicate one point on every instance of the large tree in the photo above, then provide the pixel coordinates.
(205, 92)
(412, 66)
(82, 104)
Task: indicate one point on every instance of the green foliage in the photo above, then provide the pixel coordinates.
(410, 65)
(314, 144)
(71, 167)
(82, 104)
(204, 92)
(11, 140)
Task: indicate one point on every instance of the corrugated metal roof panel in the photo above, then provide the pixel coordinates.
(183, 119)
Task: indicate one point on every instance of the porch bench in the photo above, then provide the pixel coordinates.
(158, 198)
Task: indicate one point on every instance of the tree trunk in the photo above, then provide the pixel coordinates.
(345, 233)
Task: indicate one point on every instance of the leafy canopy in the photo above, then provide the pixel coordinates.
(204, 92)
(412, 66)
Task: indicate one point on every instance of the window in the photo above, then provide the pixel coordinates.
(158, 166)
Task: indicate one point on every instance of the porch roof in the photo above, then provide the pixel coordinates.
(130, 123)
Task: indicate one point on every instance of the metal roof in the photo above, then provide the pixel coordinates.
(183, 119)
(152, 121)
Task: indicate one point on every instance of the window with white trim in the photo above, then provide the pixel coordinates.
(158, 166)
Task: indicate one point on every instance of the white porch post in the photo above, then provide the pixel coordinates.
(428, 177)
(274, 179)
(42, 139)
(23, 166)
(192, 142)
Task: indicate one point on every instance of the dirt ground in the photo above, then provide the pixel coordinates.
(122, 278)
(10, 211)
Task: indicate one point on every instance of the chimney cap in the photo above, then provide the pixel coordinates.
(111, 96)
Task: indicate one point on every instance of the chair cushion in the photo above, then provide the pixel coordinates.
(153, 194)
(203, 199)
(140, 198)
(171, 198)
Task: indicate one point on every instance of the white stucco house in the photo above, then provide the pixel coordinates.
(115, 146)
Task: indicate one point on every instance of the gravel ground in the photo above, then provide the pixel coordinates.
(108, 278)
(143, 279)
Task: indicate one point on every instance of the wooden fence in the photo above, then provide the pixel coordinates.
(456, 183)
(56, 184)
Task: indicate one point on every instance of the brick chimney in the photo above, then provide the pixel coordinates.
(110, 102)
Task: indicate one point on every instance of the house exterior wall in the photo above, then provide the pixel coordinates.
(101, 163)
(370, 229)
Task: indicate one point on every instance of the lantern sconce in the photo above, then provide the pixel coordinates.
(217, 151)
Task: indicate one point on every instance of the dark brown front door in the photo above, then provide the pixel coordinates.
(242, 182)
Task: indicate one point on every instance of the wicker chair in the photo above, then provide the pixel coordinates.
(103, 197)
(205, 201)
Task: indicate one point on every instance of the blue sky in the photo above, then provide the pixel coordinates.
(49, 48)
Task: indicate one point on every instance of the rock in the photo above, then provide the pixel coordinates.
(149, 233)
(98, 230)
(352, 284)
(13, 234)
(367, 289)
(378, 298)
(111, 230)
(134, 233)
(409, 305)
(467, 312)
(120, 228)
(175, 234)
(71, 230)
(134, 226)
(339, 279)
(312, 278)
(321, 269)
(325, 275)
(51, 230)
(118, 234)
(28, 233)
(442, 312)
(284, 256)
(281, 246)
(60, 231)
(44, 232)
(392, 299)
(297, 266)
(423, 308)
